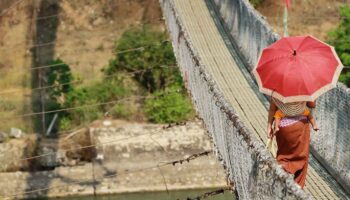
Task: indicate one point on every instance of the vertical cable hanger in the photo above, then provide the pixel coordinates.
(285, 18)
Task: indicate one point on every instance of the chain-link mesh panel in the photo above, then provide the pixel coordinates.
(251, 34)
(332, 142)
(249, 31)
(247, 161)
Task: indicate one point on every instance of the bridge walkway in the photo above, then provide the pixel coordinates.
(217, 53)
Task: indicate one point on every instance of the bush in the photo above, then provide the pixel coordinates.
(86, 114)
(60, 76)
(123, 110)
(65, 123)
(153, 62)
(80, 99)
(345, 78)
(150, 73)
(154, 69)
(100, 92)
(340, 38)
(169, 107)
(108, 90)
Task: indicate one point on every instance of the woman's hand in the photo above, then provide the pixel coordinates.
(270, 119)
(269, 131)
(311, 104)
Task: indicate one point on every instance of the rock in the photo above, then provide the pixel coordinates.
(100, 157)
(3, 137)
(107, 122)
(71, 163)
(126, 155)
(49, 160)
(81, 188)
(16, 133)
(98, 21)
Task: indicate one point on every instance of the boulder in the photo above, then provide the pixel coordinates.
(3, 137)
(98, 21)
(16, 133)
(49, 160)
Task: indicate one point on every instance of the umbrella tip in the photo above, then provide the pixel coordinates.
(294, 52)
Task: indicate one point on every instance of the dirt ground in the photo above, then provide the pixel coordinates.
(315, 17)
(85, 39)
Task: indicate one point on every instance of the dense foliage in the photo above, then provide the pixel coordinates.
(340, 39)
(154, 68)
(59, 76)
(153, 63)
(144, 66)
(97, 93)
(168, 106)
(59, 79)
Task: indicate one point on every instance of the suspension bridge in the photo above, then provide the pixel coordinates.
(217, 43)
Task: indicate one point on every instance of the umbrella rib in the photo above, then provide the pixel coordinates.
(289, 44)
(302, 43)
(310, 72)
(277, 48)
(273, 60)
(285, 78)
(310, 92)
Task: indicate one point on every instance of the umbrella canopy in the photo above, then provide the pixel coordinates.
(298, 68)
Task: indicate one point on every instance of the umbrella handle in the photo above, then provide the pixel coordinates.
(271, 98)
(314, 112)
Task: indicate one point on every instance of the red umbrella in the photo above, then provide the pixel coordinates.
(299, 68)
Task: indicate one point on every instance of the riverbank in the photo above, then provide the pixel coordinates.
(130, 157)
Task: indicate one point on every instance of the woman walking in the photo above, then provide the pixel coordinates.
(292, 137)
(295, 71)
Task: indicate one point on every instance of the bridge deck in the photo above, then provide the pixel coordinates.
(204, 31)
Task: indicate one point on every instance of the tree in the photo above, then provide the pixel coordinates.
(153, 64)
(152, 60)
(59, 79)
(340, 39)
(169, 106)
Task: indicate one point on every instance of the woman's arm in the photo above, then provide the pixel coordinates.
(272, 110)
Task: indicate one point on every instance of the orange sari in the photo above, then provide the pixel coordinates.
(293, 149)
